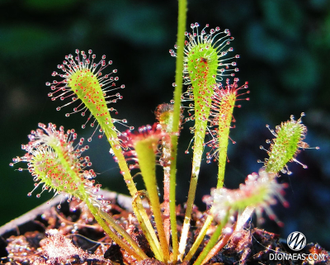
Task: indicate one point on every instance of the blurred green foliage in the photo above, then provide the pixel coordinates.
(285, 56)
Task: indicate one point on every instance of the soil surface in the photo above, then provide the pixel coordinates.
(62, 232)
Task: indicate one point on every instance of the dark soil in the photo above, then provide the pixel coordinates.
(68, 234)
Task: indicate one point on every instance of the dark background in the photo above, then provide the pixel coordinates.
(285, 56)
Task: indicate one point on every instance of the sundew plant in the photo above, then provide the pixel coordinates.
(207, 90)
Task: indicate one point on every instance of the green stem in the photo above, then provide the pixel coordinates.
(132, 249)
(213, 240)
(156, 249)
(172, 199)
(182, 17)
(122, 232)
(197, 158)
(155, 205)
(199, 238)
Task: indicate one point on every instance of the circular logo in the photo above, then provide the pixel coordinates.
(296, 241)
